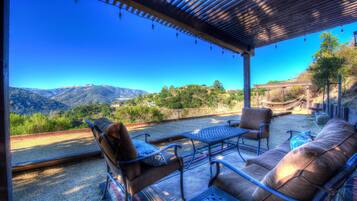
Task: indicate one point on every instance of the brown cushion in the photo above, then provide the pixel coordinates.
(311, 164)
(253, 117)
(253, 134)
(125, 150)
(150, 174)
(268, 159)
(235, 185)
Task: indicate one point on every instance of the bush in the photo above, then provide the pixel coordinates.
(38, 123)
(133, 114)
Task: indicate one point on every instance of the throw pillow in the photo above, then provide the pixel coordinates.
(143, 149)
(300, 139)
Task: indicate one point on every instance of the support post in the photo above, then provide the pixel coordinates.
(339, 95)
(5, 161)
(246, 63)
(323, 99)
(328, 98)
(308, 97)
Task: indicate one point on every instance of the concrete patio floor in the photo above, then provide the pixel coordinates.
(80, 181)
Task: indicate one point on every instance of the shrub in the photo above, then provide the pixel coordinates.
(133, 114)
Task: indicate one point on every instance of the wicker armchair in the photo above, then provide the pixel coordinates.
(134, 175)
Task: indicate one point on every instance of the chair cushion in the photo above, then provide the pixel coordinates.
(312, 164)
(124, 148)
(253, 117)
(268, 159)
(150, 174)
(236, 185)
(253, 134)
(143, 149)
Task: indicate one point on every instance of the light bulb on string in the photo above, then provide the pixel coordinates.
(120, 14)
(196, 41)
(177, 35)
(276, 46)
(222, 51)
(341, 29)
(305, 39)
(210, 47)
(152, 25)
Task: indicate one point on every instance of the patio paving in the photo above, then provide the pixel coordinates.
(80, 181)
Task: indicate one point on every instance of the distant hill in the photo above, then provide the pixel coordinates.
(26, 102)
(81, 95)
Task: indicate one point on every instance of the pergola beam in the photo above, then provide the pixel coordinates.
(282, 84)
(5, 161)
(171, 14)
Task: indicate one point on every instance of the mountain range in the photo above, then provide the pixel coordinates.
(30, 100)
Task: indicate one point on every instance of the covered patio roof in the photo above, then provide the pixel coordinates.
(242, 25)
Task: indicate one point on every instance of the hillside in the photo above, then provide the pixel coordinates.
(82, 95)
(26, 102)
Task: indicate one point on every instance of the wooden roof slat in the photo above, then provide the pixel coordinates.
(242, 25)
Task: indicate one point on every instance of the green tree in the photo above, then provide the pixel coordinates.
(327, 64)
(217, 85)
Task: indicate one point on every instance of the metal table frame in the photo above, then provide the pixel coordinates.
(201, 136)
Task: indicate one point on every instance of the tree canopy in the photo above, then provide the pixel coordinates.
(327, 64)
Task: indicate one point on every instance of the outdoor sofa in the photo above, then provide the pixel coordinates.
(123, 164)
(312, 171)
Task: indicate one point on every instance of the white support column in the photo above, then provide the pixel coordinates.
(246, 63)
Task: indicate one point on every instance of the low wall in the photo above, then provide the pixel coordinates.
(130, 126)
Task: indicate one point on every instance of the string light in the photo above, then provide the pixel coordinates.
(196, 41)
(222, 51)
(341, 29)
(305, 38)
(276, 45)
(152, 25)
(210, 47)
(120, 14)
(177, 35)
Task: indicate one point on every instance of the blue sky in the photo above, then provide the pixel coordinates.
(59, 43)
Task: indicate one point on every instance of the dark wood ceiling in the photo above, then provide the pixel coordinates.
(242, 25)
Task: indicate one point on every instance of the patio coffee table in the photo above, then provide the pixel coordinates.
(213, 136)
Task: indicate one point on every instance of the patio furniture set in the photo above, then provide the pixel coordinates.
(317, 168)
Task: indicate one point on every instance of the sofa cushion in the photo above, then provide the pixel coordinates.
(284, 147)
(312, 164)
(236, 185)
(268, 159)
